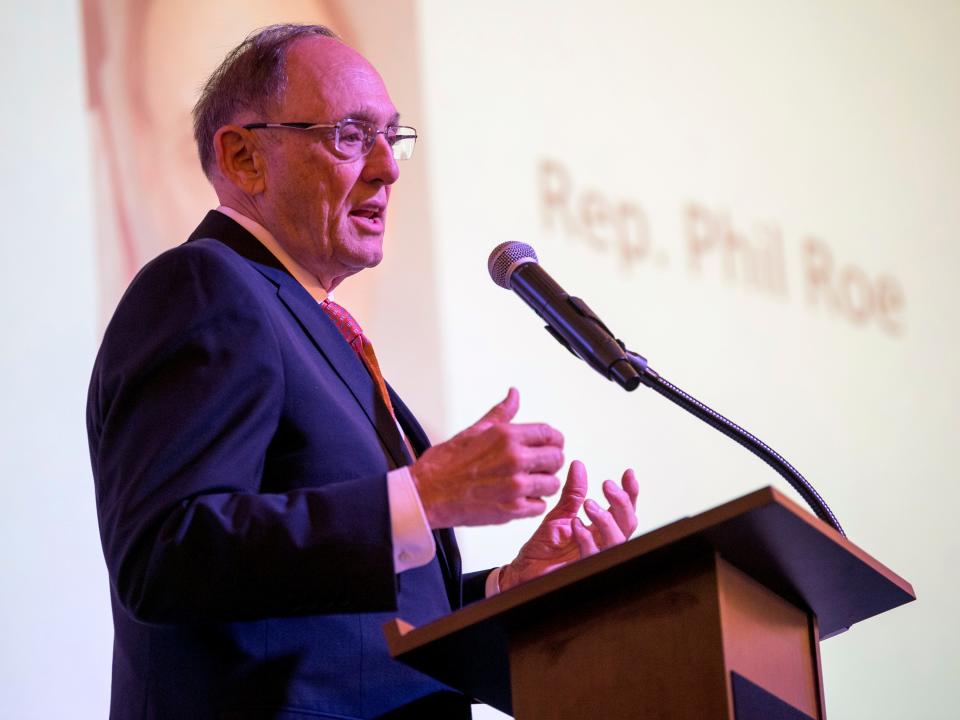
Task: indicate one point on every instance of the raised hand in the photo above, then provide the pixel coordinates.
(562, 538)
(492, 472)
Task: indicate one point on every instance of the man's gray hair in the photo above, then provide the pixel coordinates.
(251, 77)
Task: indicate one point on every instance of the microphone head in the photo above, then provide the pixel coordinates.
(507, 257)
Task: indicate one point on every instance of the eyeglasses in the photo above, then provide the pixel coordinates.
(355, 138)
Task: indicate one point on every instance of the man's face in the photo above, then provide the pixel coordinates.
(328, 213)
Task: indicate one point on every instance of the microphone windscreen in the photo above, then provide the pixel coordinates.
(505, 258)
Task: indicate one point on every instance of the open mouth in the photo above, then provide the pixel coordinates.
(368, 218)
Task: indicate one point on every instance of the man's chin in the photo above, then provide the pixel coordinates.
(362, 255)
(368, 260)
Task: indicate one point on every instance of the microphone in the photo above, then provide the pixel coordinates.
(514, 266)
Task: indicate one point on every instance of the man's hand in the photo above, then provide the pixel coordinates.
(563, 538)
(492, 472)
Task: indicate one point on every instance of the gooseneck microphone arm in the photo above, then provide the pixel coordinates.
(514, 266)
(659, 384)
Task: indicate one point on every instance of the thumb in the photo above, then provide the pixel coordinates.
(574, 491)
(503, 412)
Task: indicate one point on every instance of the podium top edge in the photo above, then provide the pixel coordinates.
(842, 540)
(712, 526)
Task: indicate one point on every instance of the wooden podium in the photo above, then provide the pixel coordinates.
(715, 616)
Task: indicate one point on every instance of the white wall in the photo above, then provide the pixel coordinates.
(54, 601)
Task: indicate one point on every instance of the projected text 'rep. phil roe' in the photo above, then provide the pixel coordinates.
(754, 257)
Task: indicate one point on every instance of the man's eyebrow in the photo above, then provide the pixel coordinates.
(370, 117)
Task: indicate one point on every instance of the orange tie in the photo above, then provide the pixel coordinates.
(354, 336)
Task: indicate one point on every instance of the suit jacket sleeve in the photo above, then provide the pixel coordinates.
(186, 398)
(475, 586)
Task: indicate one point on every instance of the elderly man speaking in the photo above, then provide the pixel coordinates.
(266, 501)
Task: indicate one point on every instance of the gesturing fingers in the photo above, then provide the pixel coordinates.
(537, 434)
(623, 502)
(607, 531)
(630, 484)
(537, 485)
(523, 507)
(493, 471)
(583, 538)
(539, 459)
(512, 449)
(503, 412)
(574, 492)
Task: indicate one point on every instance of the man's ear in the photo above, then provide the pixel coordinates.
(240, 159)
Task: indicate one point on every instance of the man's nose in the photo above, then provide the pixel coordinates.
(379, 164)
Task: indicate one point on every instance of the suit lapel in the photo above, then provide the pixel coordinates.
(330, 343)
(315, 323)
(348, 366)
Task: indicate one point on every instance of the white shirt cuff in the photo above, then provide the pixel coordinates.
(492, 586)
(413, 544)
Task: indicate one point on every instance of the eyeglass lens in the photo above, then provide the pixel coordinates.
(357, 137)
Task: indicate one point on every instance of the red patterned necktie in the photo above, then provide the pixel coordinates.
(354, 336)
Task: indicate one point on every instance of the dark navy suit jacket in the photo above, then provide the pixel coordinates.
(240, 452)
